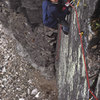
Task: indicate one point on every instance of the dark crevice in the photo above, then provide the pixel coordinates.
(93, 86)
(95, 20)
(96, 13)
(15, 4)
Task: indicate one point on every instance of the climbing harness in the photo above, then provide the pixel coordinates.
(70, 3)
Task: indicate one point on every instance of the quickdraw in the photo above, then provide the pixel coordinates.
(91, 98)
(73, 2)
(69, 3)
(78, 3)
(81, 33)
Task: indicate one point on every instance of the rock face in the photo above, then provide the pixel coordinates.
(31, 8)
(33, 47)
(24, 19)
(34, 11)
(70, 66)
(19, 80)
(23, 50)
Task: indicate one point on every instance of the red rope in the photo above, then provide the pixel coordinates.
(58, 48)
(93, 95)
(83, 53)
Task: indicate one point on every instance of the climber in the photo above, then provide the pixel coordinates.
(54, 13)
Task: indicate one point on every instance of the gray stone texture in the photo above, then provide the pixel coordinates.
(24, 19)
(72, 82)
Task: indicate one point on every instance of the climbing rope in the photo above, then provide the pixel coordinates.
(80, 33)
(58, 46)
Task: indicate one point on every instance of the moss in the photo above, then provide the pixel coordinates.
(95, 25)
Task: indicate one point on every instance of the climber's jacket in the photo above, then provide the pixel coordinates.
(52, 15)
